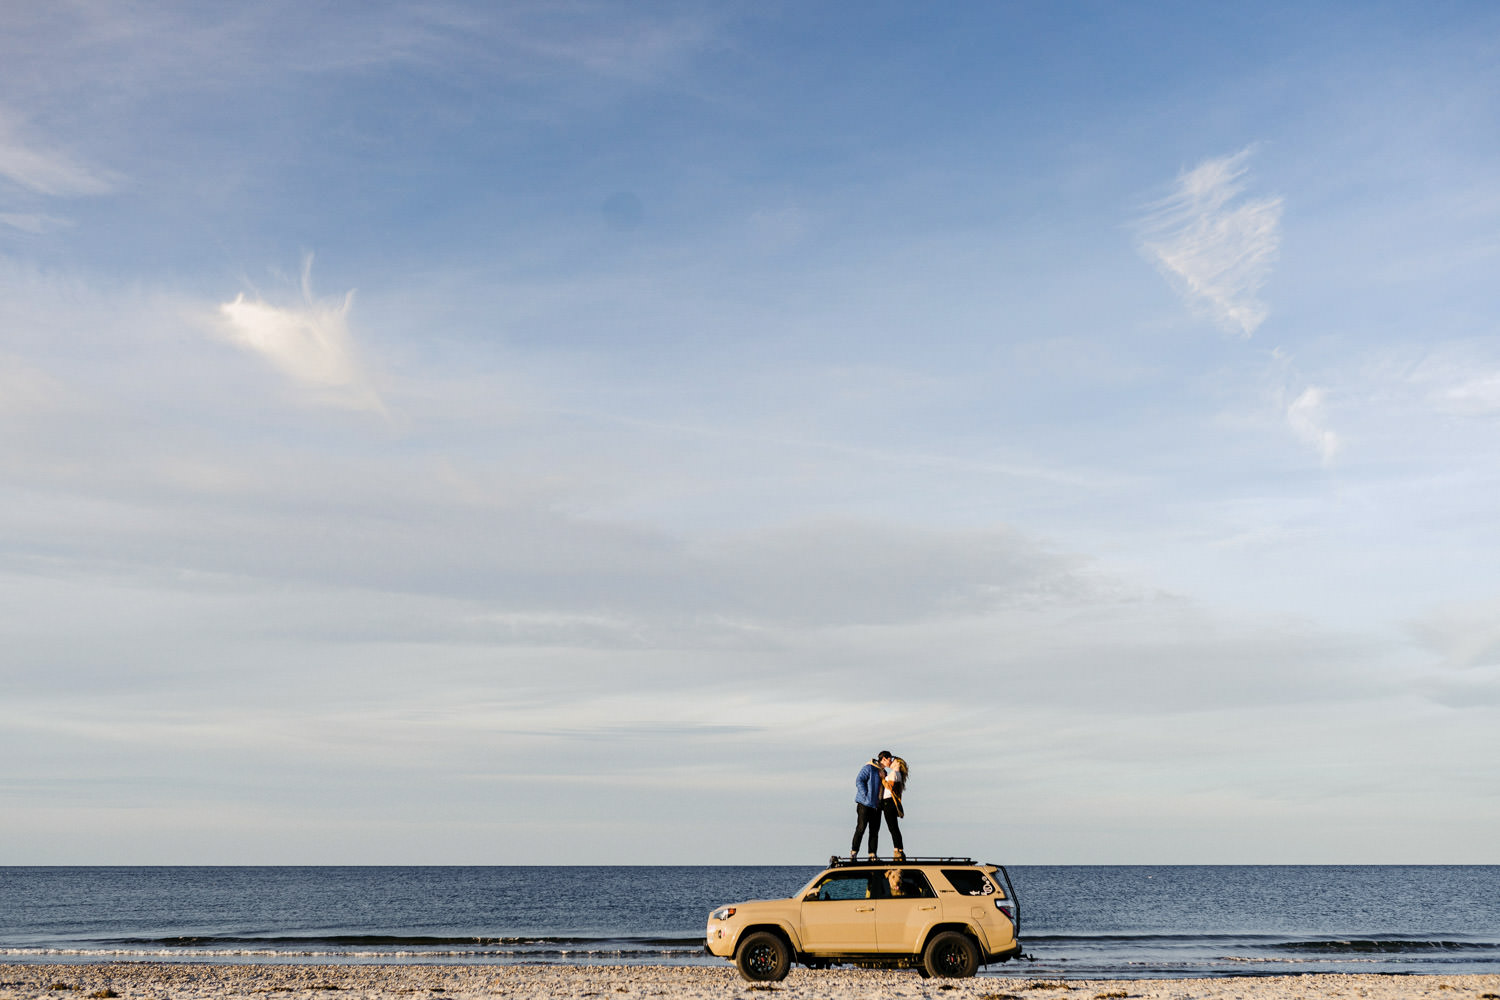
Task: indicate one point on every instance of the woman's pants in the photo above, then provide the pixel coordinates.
(888, 807)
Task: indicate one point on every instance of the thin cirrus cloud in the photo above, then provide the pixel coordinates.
(1477, 396)
(309, 343)
(1215, 246)
(1307, 418)
(43, 171)
(33, 222)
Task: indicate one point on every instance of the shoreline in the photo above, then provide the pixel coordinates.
(213, 981)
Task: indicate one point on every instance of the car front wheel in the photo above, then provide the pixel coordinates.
(764, 958)
(951, 955)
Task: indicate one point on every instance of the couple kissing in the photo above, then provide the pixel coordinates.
(877, 796)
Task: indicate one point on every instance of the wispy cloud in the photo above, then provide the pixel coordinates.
(602, 45)
(33, 222)
(44, 171)
(1307, 419)
(25, 389)
(1457, 378)
(1216, 247)
(309, 342)
(1477, 396)
(1467, 636)
(561, 48)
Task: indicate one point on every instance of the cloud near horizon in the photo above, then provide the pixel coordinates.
(1215, 247)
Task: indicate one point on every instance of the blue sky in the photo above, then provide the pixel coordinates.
(517, 433)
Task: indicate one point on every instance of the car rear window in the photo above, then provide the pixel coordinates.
(969, 881)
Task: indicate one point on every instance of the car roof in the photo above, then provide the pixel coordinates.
(909, 862)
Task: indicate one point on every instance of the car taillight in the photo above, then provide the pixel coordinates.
(1004, 907)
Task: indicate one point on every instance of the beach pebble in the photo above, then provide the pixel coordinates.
(191, 981)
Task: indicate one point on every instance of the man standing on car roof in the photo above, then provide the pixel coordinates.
(867, 788)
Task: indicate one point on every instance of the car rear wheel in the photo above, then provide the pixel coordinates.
(951, 955)
(763, 958)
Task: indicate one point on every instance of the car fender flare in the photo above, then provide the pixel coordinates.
(781, 930)
(953, 925)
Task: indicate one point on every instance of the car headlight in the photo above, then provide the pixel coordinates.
(722, 913)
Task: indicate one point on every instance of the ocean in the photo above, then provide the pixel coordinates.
(1076, 921)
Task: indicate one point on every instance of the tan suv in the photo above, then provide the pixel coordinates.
(941, 916)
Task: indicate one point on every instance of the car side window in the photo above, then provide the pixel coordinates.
(845, 886)
(969, 882)
(905, 883)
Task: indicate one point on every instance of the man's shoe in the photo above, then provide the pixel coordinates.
(853, 855)
(900, 855)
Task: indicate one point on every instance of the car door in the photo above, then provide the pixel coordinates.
(838, 914)
(907, 908)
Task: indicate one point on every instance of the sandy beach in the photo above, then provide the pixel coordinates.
(161, 981)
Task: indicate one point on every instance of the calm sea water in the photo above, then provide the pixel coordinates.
(1075, 921)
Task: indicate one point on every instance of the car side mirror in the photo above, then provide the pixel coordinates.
(811, 897)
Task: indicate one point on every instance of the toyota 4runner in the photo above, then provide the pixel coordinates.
(941, 916)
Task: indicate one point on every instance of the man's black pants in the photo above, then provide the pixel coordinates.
(865, 816)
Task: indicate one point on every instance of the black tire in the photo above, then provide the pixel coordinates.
(951, 955)
(763, 958)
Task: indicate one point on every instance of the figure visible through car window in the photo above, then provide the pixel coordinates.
(905, 884)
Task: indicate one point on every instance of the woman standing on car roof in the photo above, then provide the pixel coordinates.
(893, 783)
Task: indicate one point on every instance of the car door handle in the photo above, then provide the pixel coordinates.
(864, 909)
(927, 907)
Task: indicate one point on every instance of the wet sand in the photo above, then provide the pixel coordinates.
(174, 981)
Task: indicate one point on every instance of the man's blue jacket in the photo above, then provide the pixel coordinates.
(868, 785)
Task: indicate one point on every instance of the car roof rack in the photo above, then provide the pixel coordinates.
(842, 862)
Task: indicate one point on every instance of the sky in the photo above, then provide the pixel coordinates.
(567, 432)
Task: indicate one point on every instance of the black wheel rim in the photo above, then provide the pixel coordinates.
(762, 960)
(952, 960)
